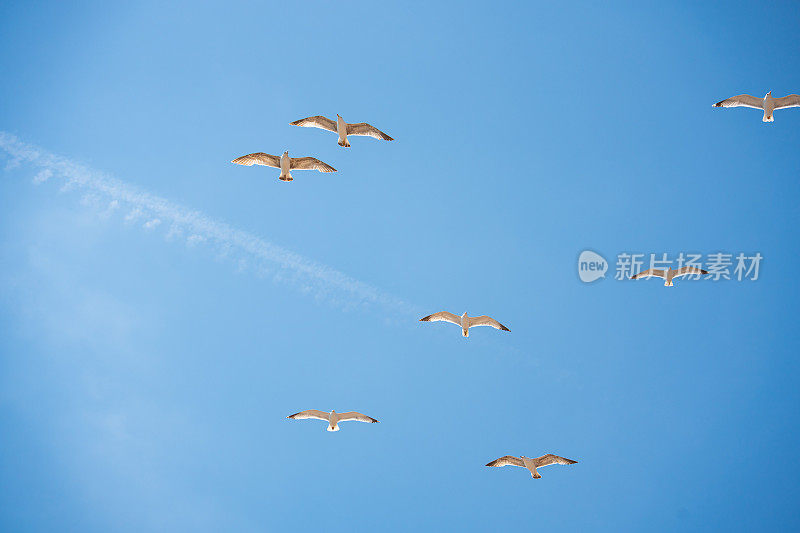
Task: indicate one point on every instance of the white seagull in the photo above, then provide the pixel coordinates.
(532, 463)
(342, 128)
(768, 103)
(464, 321)
(284, 162)
(669, 274)
(333, 418)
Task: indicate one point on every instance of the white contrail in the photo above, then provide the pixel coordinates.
(284, 265)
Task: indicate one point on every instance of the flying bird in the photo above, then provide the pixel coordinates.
(464, 321)
(768, 103)
(669, 274)
(342, 128)
(333, 418)
(284, 162)
(532, 463)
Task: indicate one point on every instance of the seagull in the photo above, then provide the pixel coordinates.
(342, 128)
(768, 103)
(532, 463)
(284, 162)
(464, 321)
(333, 418)
(669, 274)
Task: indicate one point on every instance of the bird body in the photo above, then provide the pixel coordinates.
(769, 104)
(769, 107)
(464, 325)
(333, 418)
(531, 463)
(333, 421)
(342, 128)
(464, 321)
(286, 167)
(669, 274)
(284, 162)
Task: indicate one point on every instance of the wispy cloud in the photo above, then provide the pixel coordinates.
(196, 229)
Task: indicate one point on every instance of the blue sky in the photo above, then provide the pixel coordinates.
(147, 365)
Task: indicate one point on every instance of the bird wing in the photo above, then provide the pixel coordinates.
(362, 128)
(319, 121)
(647, 273)
(507, 460)
(682, 271)
(353, 415)
(484, 320)
(258, 158)
(793, 100)
(310, 163)
(742, 100)
(311, 413)
(442, 316)
(550, 459)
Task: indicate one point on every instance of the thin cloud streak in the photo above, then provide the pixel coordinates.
(285, 266)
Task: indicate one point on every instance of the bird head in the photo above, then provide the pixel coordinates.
(769, 94)
(286, 152)
(464, 315)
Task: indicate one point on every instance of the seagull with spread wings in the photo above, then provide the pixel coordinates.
(531, 463)
(669, 274)
(342, 128)
(464, 321)
(768, 103)
(284, 162)
(333, 418)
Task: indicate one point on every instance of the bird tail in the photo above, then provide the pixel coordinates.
(465, 332)
(287, 177)
(344, 143)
